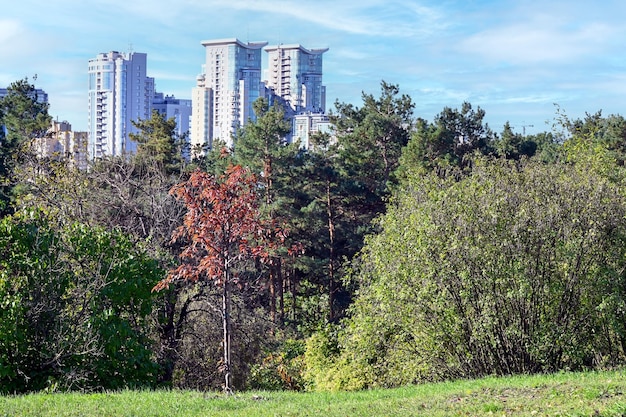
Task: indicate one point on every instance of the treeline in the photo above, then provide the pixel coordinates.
(399, 250)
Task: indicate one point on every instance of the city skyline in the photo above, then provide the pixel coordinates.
(514, 59)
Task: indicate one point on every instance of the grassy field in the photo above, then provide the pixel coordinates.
(565, 394)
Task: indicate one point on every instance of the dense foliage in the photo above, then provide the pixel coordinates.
(75, 307)
(516, 268)
(395, 250)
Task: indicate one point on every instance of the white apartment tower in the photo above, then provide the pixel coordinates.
(295, 74)
(119, 92)
(226, 90)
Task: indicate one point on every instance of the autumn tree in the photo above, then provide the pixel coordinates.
(222, 230)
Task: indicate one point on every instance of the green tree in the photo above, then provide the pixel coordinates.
(128, 194)
(321, 229)
(449, 142)
(262, 147)
(371, 139)
(608, 132)
(158, 143)
(23, 117)
(347, 178)
(511, 145)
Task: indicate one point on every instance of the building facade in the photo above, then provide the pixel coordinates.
(38, 94)
(62, 143)
(295, 75)
(306, 124)
(226, 90)
(177, 108)
(119, 92)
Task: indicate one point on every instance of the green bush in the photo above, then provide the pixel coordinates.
(516, 268)
(280, 370)
(75, 304)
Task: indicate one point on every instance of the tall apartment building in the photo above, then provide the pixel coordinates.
(179, 110)
(225, 91)
(174, 108)
(119, 92)
(295, 75)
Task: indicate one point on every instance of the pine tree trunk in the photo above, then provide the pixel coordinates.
(331, 255)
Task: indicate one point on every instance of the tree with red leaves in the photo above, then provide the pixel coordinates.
(221, 229)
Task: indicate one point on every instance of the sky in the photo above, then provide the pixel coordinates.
(519, 60)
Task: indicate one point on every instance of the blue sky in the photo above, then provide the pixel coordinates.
(515, 59)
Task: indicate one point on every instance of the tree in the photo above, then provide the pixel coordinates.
(371, 138)
(608, 132)
(512, 145)
(325, 227)
(23, 117)
(261, 146)
(449, 142)
(158, 143)
(130, 195)
(222, 229)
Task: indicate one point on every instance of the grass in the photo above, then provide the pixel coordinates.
(564, 394)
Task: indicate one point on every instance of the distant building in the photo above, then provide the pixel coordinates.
(225, 91)
(295, 75)
(40, 95)
(230, 83)
(306, 124)
(119, 92)
(172, 107)
(63, 143)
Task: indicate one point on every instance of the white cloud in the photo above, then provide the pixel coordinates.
(533, 36)
(366, 17)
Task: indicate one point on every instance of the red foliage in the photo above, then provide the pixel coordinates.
(221, 227)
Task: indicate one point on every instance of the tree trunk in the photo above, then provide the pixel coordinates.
(281, 292)
(331, 254)
(272, 290)
(226, 324)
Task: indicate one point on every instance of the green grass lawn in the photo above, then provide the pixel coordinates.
(564, 394)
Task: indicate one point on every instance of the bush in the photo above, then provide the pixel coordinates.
(75, 303)
(514, 269)
(280, 370)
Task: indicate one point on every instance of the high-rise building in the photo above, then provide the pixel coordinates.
(295, 75)
(120, 92)
(177, 108)
(228, 86)
(38, 94)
